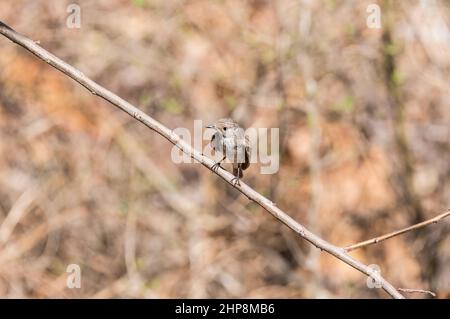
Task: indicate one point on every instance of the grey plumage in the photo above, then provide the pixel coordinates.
(231, 141)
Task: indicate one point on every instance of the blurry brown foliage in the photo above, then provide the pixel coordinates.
(82, 183)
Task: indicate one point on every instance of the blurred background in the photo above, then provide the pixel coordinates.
(364, 118)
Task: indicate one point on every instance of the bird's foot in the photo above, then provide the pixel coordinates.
(235, 181)
(216, 166)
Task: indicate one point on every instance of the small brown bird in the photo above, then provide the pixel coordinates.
(230, 140)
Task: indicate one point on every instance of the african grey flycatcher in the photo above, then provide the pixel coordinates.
(231, 141)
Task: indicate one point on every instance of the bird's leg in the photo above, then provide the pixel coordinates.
(235, 180)
(216, 165)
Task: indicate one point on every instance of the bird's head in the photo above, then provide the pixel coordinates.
(223, 125)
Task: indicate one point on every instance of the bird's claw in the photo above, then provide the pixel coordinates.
(235, 181)
(216, 166)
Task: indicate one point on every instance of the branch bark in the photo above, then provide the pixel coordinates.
(168, 134)
(398, 232)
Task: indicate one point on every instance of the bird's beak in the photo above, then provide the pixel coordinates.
(209, 126)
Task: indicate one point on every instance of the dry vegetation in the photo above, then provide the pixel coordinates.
(364, 116)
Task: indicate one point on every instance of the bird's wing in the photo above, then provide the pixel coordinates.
(248, 153)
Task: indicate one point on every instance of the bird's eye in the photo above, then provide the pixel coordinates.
(224, 128)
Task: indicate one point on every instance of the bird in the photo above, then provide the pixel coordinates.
(231, 141)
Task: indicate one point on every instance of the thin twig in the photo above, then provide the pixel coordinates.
(168, 134)
(379, 239)
(18, 210)
(417, 291)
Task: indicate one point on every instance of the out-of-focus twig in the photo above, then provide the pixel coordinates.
(175, 139)
(18, 210)
(16, 249)
(379, 239)
(405, 171)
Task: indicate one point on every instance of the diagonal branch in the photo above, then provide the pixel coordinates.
(398, 232)
(168, 134)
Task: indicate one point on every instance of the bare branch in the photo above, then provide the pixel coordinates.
(168, 134)
(398, 232)
(407, 290)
